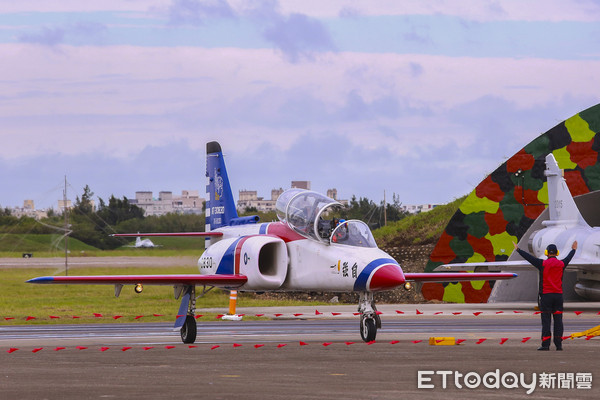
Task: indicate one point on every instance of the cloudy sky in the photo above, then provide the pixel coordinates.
(418, 98)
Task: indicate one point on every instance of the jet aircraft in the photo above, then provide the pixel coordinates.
(564, 225)
(306, 250)
(143, 243)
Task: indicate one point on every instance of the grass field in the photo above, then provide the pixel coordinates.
(20, 300)
(418, 229)
(14, 245)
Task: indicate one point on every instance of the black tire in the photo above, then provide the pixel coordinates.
(368, 329)
(188, 330)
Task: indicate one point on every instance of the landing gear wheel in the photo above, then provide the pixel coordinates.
(188, 330)
(368, 329)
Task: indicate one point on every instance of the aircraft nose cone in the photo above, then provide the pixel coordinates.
(388, 276)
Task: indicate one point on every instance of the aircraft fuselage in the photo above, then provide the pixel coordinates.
(307, 264)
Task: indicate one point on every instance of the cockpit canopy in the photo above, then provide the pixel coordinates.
(311, 215)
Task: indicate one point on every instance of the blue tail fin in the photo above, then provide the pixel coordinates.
(220, 206)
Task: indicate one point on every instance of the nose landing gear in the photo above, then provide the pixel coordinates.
(369, 319)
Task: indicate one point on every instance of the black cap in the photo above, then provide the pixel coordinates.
(551, 249)
(213, 147)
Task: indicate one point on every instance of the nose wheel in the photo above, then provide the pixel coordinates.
(369, 319)
(368, 329)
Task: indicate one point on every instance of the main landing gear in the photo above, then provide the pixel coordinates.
(187, 309)
(189, 330)
(369, 319)
(188, 326)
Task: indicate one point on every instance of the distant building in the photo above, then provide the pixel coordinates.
(62, 205)
(28, 210)
(250, 199)
(415, 209)
(275, 193)
(332, 194)
(143, 198)
(188, 203)
(301, 185)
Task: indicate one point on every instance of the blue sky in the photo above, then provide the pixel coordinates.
(418, 98)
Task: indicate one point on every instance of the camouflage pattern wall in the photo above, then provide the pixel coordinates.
(504, 205)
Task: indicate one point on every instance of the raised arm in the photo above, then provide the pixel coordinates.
(569, 256)
(536, 262)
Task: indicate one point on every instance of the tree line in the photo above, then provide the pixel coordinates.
(358, 208)
(375, 214)
(94, 227)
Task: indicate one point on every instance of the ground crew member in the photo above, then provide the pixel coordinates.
(551, 272)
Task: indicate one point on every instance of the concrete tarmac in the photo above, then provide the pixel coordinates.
(155, 365)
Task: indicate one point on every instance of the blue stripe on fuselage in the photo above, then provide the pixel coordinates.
(263, 229)
(361, 282)
(227, 264)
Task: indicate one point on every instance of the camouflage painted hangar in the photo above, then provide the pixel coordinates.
(506, 204)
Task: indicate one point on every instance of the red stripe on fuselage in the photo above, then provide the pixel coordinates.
(282, 231)
(238, 253)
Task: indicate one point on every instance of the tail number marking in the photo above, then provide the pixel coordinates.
(206, 262)
(218, 210)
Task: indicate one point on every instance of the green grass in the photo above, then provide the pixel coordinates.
(46, 245)
(419, 229)
(14, 245)
(20, 300)
(110, 253)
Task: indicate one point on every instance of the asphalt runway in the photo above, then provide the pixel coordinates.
(220, 332)
(295, 359)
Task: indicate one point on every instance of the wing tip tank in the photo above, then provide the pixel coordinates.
(42, 279)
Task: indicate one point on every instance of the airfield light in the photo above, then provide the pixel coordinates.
(138, 288)
(408, 286)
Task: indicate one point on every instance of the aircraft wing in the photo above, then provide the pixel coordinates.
(583, 263)
(457, 276)
(223, 281)
(168, 234)
(489, 266)
(510, 265)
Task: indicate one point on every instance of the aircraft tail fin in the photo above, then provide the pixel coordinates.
(562, 207)
(220, 205)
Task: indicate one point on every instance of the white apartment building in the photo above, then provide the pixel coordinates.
(28, 210)
(189, 202)
(250, 199)
(415, 209)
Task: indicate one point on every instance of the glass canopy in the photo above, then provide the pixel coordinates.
(311, 214)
